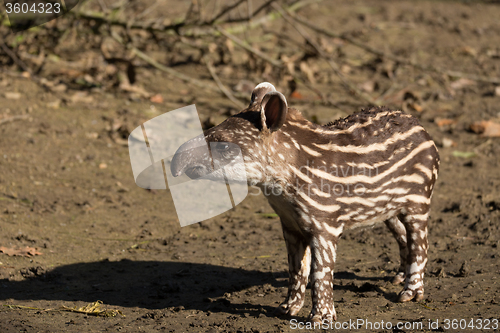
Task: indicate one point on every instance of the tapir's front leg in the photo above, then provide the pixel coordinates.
(299, 261)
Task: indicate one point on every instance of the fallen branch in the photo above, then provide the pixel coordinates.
(226, 10)
(473, 77)
(171, 71)
(221, 86)
(250, 49)
(14, 57)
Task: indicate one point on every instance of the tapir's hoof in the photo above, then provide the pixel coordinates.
(318, 318)
(285, 309)
(398, 278)
(408, 295)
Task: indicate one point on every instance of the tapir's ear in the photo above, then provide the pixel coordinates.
(260, 91)
(273, 110)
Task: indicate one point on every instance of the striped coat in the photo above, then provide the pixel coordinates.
(374, 166)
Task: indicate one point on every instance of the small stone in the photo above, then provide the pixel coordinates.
(82, 97)
(368, 86)
(156, 99)
(447, 143)
(461, 84)
(464, 270)
(55, 104)
(346, 69)
(60, 88)
(12, 95)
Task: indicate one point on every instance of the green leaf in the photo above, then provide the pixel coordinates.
(268, 215)
(463, 154)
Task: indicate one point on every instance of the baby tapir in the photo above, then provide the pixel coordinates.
(376, 165)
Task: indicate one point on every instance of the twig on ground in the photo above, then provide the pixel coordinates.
(249, 9)
(473, 77)
(250, 49)
(92, 309)
(225, 10)
(171, 71)
(103, 5)
(14, 57)
(13, 118)
(329, 60)
(264, 5)
(148, 10)
(24, 307)
(221, 86)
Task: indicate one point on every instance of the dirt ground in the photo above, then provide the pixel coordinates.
(67, 191)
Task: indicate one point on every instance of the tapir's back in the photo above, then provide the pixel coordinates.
(364, 168)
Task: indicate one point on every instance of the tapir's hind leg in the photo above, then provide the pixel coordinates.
(416, 235)
(399, 232)
(323, 254)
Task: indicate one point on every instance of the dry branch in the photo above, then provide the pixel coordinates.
(226, 10)
(171, 71)
(473, 77)
(14, 57)
(250, 49)
(221, 86)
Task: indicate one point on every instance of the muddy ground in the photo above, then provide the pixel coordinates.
(67, 191)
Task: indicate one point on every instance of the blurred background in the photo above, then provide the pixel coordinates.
(74, 227)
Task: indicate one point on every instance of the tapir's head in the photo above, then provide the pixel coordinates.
(246, 133)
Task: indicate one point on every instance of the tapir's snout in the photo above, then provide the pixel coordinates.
(192, 158)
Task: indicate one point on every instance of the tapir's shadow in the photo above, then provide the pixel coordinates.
(146, 284)
(153, 285)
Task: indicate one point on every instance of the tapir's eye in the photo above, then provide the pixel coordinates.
(252, 99)
(222, 146)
